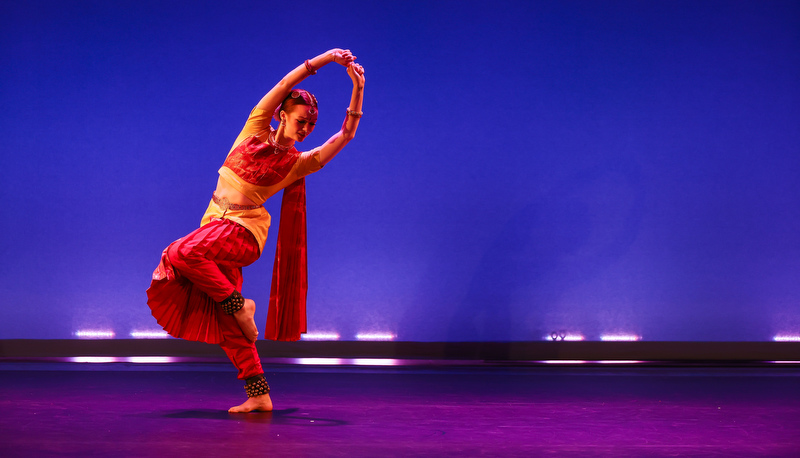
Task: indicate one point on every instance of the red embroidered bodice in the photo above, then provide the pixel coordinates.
(256, 162)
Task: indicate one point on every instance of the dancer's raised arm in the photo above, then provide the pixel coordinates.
(353, 116)
(275, 96)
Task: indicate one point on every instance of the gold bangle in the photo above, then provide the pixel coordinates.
(355, 114)
(309, 68)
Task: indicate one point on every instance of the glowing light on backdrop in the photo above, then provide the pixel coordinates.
(150, 359)
(94, 359)
(573, 338)
(577, 361)
(149, 334)
(320, 336)
(786, 338)
(375, 336)
(128, 359)
(345, 362)
(375, 362)
(620, 338)
(94, 334)
(318, 361)
(563, 361)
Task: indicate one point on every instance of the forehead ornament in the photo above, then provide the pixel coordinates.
(308, 98)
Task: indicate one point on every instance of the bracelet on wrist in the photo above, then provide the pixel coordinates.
(355, 114)
(310, 69)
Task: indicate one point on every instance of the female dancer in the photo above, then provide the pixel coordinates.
(195, 292)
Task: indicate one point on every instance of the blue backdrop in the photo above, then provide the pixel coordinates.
(522, 167)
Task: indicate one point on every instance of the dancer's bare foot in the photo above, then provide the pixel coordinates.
(255, 404)
(246, 322)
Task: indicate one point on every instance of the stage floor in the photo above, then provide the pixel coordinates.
(179, 409)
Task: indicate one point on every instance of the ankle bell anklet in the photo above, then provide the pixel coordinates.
(256, 386)
(233, 303)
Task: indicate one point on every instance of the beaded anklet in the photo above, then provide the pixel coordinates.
(256, 386)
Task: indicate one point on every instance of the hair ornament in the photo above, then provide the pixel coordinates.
(307, 98)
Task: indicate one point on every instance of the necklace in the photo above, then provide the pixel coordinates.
(278, 147)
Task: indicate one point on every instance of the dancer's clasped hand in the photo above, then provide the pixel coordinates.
(343, 57)
(356, 72)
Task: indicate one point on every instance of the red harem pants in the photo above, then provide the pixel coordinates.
(198, 271)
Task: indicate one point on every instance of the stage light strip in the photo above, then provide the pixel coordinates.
(149, 334)
(375, 362)
(346, 362)
(302, 361)
(318, 361)
(320, 336)
(94, 334)
(94, 359)
(375, 336)
(573, 338)
(128, 359)
(786, 338)
(620, 338)
(150, 359)
(580, 361)
(563, 361)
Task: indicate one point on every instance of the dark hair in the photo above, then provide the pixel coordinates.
(296, 97)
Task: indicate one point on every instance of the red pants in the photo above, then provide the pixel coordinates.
(197, 272)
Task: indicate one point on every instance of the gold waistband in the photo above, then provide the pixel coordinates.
(226, 205)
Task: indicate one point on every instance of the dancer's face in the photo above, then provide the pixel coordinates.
(299, 122)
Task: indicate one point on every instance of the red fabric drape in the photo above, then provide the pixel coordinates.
(286, 317)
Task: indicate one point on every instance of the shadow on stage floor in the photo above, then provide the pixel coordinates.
(55, 407)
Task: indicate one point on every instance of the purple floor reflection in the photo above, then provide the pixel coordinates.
(60, 409)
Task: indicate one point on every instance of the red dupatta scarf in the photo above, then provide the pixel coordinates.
(286, 318)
